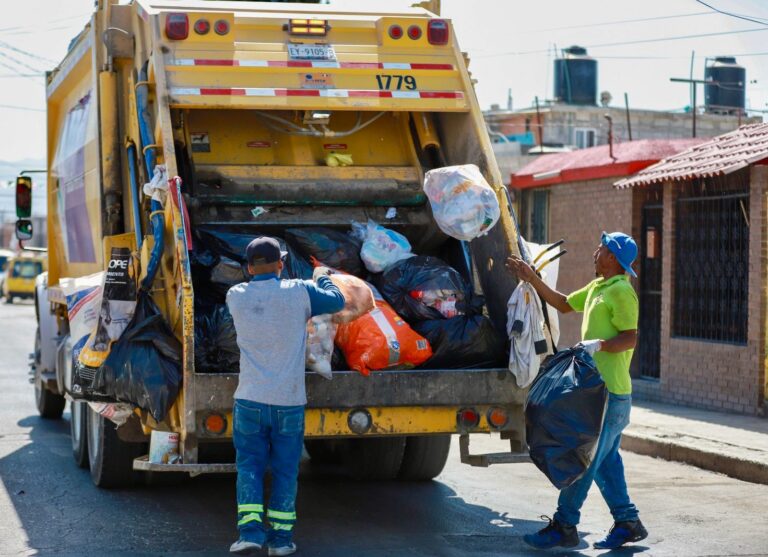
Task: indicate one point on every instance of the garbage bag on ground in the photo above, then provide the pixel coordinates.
(463, 204)
(379, 340)
(564, 416)
(525, 329)
(321, 331)
(144, 365)
(462, 342)
(330, 247)
(382, 247)
(358, 297)
(422, 288)
(216, 349)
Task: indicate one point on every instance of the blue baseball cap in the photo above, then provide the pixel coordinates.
(263, 250)
(623, 247)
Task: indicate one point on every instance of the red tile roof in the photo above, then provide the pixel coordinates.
(722, 155)
(595, 162)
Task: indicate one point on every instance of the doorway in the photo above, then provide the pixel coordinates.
(649, 328)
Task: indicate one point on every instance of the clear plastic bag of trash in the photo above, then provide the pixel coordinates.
(229, 272)
(321, 330)
(382, 247)
(564, 416)
(358, 297)
(116, 412)
(463, 204)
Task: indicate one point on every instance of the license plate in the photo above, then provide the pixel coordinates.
(311, 52)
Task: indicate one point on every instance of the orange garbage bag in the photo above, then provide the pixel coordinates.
(380, 339)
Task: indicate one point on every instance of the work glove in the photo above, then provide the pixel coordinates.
(590, 346)
(321, 271)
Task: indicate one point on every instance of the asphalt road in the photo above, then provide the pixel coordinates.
(50, 507)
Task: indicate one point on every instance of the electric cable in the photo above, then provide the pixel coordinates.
(730, 14)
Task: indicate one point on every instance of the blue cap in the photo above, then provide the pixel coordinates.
(263, 250)
(623, 247)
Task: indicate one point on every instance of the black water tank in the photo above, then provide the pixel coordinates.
(726, 96)
(576, 77)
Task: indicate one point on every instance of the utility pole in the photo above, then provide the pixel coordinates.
(694, 83)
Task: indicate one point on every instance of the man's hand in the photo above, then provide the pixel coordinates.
(520, 269)
(321, 272)
(591, 346)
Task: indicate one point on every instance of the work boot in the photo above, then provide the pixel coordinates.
(289, 549)
(623, 532)
(243, 547)
(554, 534)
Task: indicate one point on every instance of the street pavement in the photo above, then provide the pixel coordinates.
(50, 507)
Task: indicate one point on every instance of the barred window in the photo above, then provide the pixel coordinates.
(712, 259)
(534, 215)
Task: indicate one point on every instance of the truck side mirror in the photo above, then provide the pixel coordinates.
(23, 230)
(23, 199)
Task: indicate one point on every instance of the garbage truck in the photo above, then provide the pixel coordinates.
(265, 117)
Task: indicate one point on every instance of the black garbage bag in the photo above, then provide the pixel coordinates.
(295, 266)
(463, 342)
(216, 348)
(144, 365)
(564, 416)
(424, 287)
(330, 247)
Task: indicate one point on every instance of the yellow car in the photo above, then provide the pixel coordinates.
(21, 272)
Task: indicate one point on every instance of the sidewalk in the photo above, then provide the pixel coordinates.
(727, 443)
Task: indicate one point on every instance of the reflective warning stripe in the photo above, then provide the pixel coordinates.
(253, 517)
(282, 515)
(386, 328)
(288, 527)
(255, 507)
(323, 64)
(329, 93)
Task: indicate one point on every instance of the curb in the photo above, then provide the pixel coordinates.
(739, 468)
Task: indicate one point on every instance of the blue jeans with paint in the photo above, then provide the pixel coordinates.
(607, 470)
(267, 436)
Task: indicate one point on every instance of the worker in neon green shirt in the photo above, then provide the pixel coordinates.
(609, 334)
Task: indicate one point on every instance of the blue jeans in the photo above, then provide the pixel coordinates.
(267, 436)
(606, 469)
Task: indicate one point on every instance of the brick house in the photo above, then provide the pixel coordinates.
(709, 272)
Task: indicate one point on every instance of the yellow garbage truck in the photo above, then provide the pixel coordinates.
(313, 115)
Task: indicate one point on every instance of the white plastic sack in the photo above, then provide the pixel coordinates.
(117, 412)
(157, 188)
(382, 247)
(321, 331)
(463, 204)
(525, 327)
(83, 296)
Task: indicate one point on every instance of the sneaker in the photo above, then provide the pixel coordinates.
(621, 533)
(554, 534)
(242, 547)
(282, 550)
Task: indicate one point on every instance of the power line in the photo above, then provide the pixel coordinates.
(26, 53)
(19, 62)
(617, 22)
(745, 18)
(29, 108)
(640, 41)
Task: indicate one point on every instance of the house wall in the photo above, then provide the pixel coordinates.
(710, 374)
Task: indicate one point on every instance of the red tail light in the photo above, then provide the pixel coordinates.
(202, 26)
(437, 32)
(414, 32)
(497, 418)
(177, 27)
(221, 27)
(395, 31)
(467, 418)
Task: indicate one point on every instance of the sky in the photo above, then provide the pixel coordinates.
(511, 44)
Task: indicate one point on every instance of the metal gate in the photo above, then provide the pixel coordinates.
(649, 328)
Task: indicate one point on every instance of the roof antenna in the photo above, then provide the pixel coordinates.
(610, 136)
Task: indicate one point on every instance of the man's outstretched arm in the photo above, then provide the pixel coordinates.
(523, 271)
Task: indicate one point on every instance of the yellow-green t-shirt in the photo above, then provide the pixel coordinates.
(610, 307)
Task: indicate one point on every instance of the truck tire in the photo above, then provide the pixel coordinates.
(109, 458)
(375, 458)
(78, 429)
(50, 405)
(425, 457)
(322, 451)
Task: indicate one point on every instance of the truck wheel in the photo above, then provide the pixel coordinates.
(376, 458)
(49, 404)
(78, 429)
(322, 451)
(424, 457)
(109, 458)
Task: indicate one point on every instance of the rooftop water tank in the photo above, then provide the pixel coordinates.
(726, 94)
(576, 77)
